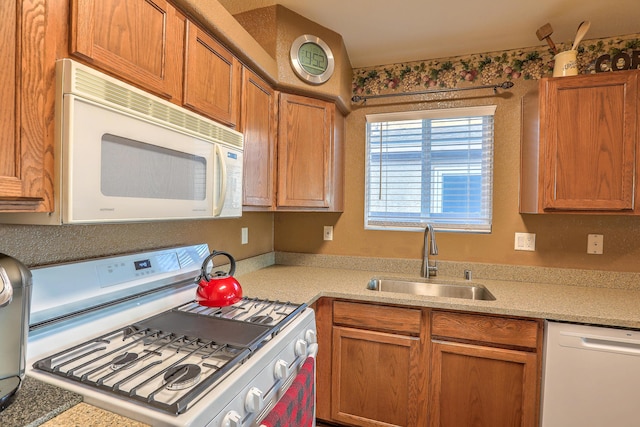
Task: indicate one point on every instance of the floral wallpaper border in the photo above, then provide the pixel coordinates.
(485, 68)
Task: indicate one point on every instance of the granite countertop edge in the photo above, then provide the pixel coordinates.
(591, 305)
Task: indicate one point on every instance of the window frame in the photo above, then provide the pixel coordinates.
(434, 114)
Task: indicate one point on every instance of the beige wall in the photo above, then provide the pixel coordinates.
(38, 245)
(276, 28)
(561, 240)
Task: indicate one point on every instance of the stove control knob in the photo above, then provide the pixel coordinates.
(254, 400)
(232, 419)
(310, 336)
(281, 369)
(300, 348)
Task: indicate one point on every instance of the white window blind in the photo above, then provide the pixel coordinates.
(433, 166)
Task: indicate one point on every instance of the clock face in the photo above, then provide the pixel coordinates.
(312, 59)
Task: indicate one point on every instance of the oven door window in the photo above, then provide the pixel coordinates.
(136, 169)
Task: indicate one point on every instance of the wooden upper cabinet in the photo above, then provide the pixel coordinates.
(259, 126)
(587, 145)
(26, 149)
(309, 156)
(212, 81)
(141, 41)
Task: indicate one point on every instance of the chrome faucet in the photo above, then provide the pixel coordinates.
(430, 248)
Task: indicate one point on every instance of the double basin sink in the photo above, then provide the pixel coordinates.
(431, 287)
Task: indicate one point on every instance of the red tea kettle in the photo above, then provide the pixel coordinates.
(218, 289)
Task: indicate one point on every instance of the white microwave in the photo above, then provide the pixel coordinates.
(124, 155)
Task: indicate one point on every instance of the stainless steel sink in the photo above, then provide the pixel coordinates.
(431, 287)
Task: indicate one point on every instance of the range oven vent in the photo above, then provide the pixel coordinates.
(106, 90)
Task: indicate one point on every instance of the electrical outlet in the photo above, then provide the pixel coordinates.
(328, 232)
(244, 239)
(525, 242)
(595, 244)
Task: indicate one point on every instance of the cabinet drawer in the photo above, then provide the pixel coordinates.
(396, 319)
(488, 329)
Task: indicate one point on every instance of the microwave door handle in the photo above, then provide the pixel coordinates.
(223, 187)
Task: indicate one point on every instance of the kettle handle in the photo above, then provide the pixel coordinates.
(203, 270)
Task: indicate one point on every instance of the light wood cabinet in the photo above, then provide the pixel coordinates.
(212, 80)
(485, 370)
(579, 146)
(307, 170)
(259, 125)
(26, 146)
(310, 168)
(382, 365)
(151, 44)
(377, 365)
(139, 41)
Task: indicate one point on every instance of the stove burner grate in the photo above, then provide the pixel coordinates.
(167, 361)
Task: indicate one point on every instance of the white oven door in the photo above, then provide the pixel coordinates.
(123, 168)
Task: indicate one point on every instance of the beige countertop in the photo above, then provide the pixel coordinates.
(305, 284)
(582, 304)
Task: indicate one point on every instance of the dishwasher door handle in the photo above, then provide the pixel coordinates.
(600, 343)
(613, 346)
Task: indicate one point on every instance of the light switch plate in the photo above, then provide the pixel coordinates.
(525, 242)
(244, 239)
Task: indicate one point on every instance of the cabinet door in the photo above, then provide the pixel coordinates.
(213, 79)
(26, 149)
(141, 41)
(259, 127)
(482, 386)
(374, 378)
(588, 124)
(305, 152)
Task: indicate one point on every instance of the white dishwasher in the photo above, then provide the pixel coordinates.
(591, 376)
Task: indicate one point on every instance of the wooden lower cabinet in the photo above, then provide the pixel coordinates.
(382, 365)
(372, 376)
(482, 386)
(375, 364)
(485, 370)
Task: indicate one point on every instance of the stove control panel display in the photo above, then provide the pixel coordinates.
(114, 272)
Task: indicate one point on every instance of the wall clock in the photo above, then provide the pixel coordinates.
(312, 59)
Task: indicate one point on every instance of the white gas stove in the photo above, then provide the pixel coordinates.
(125, 333)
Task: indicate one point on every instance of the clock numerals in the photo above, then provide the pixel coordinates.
(313, 58)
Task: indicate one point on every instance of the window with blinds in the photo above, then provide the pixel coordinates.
(433, 166)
